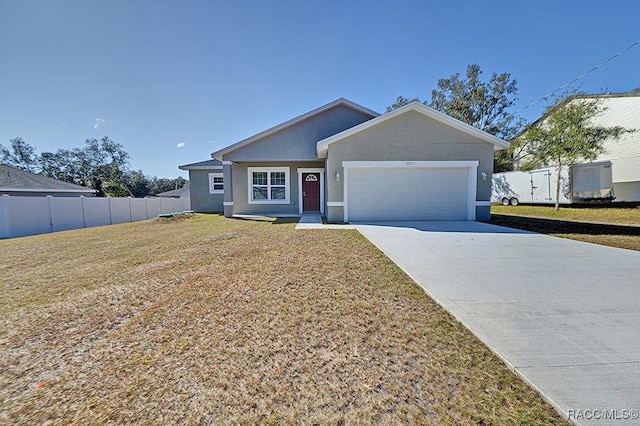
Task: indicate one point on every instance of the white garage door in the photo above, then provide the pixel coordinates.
(385, 194)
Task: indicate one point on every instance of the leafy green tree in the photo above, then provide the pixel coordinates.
(482, 104)
(59, 165)
(157, 186)
(113, 188)
(100, 165)
(565, 135)
(19, 154)
(137, 184)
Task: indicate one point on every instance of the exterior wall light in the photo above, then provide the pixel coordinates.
(483, 175)
(338, 176)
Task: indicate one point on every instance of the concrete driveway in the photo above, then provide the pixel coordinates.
(565, 315)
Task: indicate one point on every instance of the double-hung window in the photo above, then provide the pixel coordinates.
(216, 183)
(268, 185)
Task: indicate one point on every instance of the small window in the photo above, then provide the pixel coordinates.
(216, 183)
(268, 185)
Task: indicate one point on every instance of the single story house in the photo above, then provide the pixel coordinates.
(349, 163)
(14, 181)
(183, 192)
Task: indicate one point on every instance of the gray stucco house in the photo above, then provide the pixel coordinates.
(350, 164)
(206, 188)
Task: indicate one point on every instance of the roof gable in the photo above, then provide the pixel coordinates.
(14, 179)
(294, 121)
(323, 145)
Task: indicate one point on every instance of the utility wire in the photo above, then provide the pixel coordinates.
(581, 76)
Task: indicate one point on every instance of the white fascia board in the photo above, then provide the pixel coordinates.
(218, 155)
(200, 167)
(409, 164)
(90, 191)
(322, 146)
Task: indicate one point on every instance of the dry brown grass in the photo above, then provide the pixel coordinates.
(209, 320)
(611, 214)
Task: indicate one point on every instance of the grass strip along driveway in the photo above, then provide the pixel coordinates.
(210, 320)
(607, 225)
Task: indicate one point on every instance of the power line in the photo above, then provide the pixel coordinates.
(580, 76)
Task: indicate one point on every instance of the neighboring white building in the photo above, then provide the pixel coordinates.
(621, 109)
(624, 154)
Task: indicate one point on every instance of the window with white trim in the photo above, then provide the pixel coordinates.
(268, 185)
(216, 183)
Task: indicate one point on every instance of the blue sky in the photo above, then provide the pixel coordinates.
(174, 81)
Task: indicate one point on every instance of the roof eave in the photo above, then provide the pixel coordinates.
(187, 167)
(90, 191)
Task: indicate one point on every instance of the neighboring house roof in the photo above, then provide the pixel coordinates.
(174, 193)
(202, 165)
(292, 122)
(13, 179)
(323, 145)
(608, 95)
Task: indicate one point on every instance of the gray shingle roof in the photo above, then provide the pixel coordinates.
(174, 192)
(207, 164)
(12, 178)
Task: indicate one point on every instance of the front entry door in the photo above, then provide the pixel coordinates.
(311, 192)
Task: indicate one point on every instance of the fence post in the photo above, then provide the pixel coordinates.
(49, 202)
(146, 207)
(5, 231)
(110, 214)
(84, 215)
(130, 212)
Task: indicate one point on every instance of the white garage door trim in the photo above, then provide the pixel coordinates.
(471, 182)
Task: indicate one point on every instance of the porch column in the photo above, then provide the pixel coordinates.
(228, 188)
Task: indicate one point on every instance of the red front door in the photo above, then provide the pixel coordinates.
(311, 192)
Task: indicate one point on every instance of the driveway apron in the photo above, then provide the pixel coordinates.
(563, 314)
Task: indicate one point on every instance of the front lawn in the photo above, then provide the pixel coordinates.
(213, 321)
(608, 225)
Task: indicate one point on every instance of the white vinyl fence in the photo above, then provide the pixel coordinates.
(20, 216)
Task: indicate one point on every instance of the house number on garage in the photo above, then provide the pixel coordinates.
(411, 163)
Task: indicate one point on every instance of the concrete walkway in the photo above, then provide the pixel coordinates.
(314, 221)
(564, 315)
